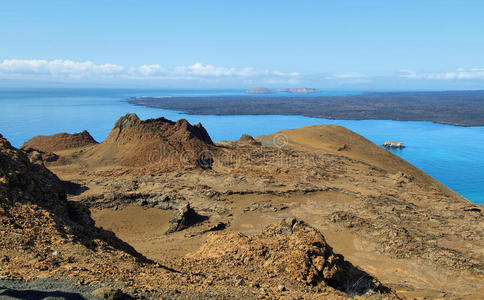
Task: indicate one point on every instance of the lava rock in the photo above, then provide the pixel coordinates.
(183, 218)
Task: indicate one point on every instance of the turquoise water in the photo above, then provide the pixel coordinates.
(452, 155)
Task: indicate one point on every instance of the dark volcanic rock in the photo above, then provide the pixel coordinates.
(464, 108)
(39, 156)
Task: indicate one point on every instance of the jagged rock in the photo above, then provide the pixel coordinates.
(184, 217)
(39, 156)
(247, 139)
(161, 143)
(22, 181)
(295, 251)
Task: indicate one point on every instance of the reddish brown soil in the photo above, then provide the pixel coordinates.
(59, 142)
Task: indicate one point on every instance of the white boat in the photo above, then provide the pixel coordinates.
(393, 144)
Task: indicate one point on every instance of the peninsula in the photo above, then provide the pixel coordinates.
(460, 108)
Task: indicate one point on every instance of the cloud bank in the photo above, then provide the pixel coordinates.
(459, 74)
(67, 72)
(74, 70)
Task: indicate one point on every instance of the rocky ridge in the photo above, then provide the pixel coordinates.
(59, 142)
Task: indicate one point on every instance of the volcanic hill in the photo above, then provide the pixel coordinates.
(59, 142)
(160, 142)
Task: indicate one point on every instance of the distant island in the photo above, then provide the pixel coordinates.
(263, 90)
(260, 90)
(460, 108)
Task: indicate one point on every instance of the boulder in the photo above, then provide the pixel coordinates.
(183, 218)
(247, 139)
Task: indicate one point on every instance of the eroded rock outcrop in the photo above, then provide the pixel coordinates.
(294, 251)
(22, 181)
(39, 156)
(184, 217)
(248, 139)
(156, 142)
(59, 142)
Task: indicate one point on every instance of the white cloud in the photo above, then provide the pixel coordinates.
(57, 67)
(199, 69)
(68, 70)
(353, 75)
(458, 74)
(409, 74)
(147, 70)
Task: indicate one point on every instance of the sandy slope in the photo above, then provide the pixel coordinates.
(341, 141)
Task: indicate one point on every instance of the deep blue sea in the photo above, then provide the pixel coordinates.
(452, 155)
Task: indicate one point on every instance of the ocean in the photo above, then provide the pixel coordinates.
(453, 155)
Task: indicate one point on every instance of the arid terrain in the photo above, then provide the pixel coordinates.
(159, 210)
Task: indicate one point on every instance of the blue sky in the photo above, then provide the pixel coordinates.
(328, 44)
